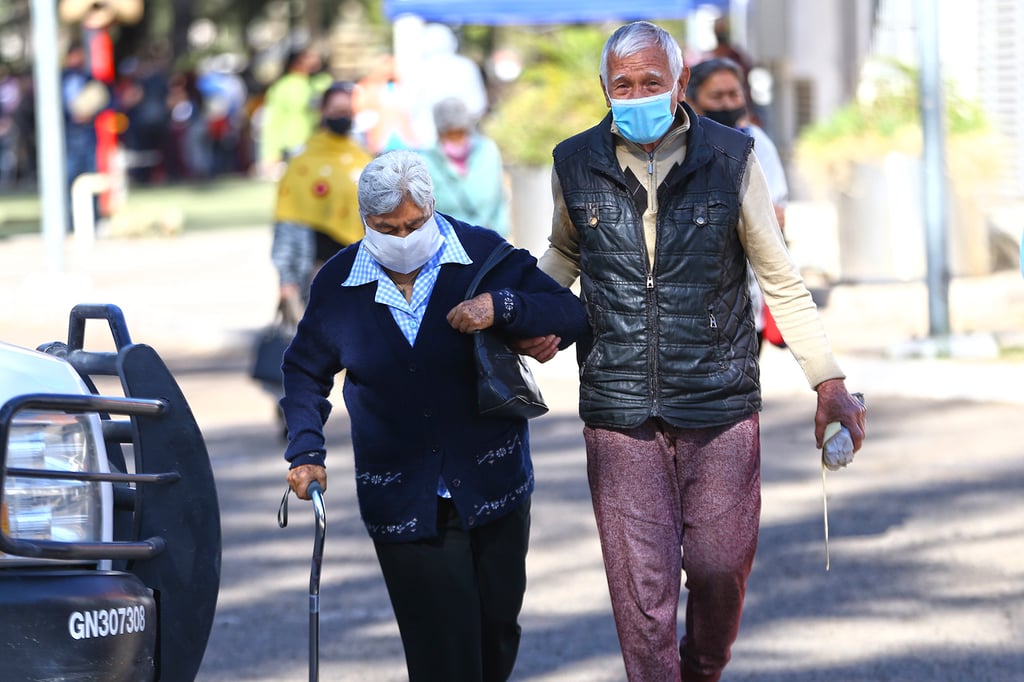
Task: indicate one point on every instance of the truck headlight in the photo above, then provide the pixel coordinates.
(62, 510)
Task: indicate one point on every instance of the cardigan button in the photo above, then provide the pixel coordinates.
(471, 521)
(427, 413)
(412, 368)
(456, 483)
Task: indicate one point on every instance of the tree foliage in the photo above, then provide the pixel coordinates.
(557, 95)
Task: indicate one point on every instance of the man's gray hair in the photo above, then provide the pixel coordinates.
(639, 35)
(391, 178)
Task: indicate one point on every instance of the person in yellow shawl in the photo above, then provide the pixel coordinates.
(317, 211)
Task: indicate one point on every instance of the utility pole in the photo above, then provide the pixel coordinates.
(934, 167)
(53, 197)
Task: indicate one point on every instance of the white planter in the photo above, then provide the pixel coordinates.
(531, 207)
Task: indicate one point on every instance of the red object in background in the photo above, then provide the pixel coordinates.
(101, 55)
(771, 331)
(106, 146)
(101, 66)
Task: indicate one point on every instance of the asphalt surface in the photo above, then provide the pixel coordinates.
(927, 525)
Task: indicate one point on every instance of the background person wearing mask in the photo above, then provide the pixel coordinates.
(716, 90)
(317, 210)
(444, 492)
(466, 167)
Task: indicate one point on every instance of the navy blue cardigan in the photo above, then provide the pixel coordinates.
(413, 409)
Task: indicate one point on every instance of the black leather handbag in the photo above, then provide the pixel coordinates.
(506, 386)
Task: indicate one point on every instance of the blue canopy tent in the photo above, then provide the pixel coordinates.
(495, 12)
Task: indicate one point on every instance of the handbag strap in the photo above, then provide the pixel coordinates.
(499, 253)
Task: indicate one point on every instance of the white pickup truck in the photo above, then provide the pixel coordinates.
(110, 539)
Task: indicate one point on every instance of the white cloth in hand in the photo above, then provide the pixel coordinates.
(838, 449)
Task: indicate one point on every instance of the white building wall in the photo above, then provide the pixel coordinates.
(1000, 49)
(814, 50)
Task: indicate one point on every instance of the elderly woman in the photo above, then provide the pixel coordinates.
(466, 167)
(444, 493)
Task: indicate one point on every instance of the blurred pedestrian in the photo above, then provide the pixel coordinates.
(656, 212)
(716, 91)
(187, 147)
(141, 94)
(25, 121)
(384, 109)
(10, 133)
(466, 167)
(290, 112)
(317, 211)
(444, 492)
(224, 97)
(726, 49)
(438, 72)
(84, 98)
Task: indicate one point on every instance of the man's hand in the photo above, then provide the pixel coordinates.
(835, 404)
(301, 476)
(473, 315)
(540, 348)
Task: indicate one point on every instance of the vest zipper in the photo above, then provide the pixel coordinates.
(653, 332)
(653, 336)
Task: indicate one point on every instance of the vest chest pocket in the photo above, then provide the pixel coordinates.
(701, 215)
(594, 214)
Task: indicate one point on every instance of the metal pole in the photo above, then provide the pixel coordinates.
(934, 163)
(53, 190)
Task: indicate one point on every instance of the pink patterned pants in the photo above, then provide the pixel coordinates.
(656, 490)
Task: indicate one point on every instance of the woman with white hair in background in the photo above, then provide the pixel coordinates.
(466, 167)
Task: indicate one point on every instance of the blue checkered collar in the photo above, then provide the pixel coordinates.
(365, 269)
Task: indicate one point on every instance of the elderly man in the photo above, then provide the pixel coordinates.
(657, 212)
(443, 491)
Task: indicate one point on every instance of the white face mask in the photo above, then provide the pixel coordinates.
(404, 254)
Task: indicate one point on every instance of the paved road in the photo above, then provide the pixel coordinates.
(927, 578)
(927, 540)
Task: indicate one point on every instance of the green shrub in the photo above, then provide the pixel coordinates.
(557, 95)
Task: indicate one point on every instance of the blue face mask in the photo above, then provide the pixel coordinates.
(646, 119)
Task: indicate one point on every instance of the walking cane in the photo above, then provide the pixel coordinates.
(316, 494)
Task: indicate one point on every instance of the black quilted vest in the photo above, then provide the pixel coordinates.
(676, 342)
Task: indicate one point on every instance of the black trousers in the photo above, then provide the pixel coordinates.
(457, 597)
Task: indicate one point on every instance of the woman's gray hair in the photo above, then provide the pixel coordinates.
(391, 178)
(639, 35)
(451, 114)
